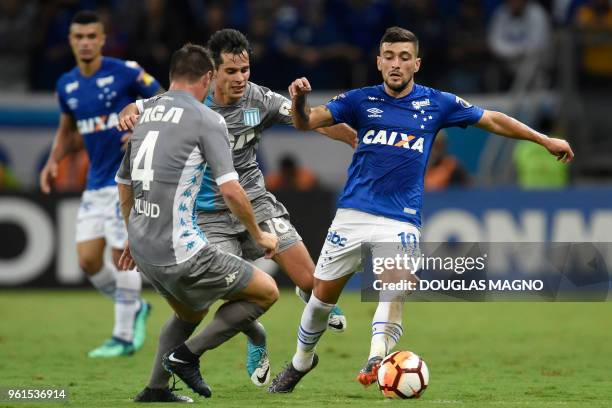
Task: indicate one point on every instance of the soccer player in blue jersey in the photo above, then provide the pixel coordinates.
(90, 97)
(381, 202)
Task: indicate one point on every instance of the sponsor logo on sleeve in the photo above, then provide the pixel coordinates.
(463, 102)
(285, 108)
(145, 78)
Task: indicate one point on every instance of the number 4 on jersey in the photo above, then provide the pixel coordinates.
(145, 174)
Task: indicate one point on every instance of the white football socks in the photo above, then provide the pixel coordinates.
(104, 280)
(386, 328)
(127, 303)
(312, 326)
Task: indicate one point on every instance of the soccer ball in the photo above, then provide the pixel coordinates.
(403, 374)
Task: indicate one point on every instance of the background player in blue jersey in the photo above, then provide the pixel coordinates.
(90, 97)
(382, 199)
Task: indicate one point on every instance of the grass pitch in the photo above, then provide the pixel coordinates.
(479, 354)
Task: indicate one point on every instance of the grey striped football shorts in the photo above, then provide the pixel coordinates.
(226, 231)
(206, 277)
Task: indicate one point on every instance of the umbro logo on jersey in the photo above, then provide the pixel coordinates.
(374, 113)
(420, 104)
(251, 117)
(105, 81)
(72, 86)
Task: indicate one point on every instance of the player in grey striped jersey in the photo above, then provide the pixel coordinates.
(176, 138)
(248, 110)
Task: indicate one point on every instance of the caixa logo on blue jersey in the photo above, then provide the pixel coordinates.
(395, 139)
(336, 239)
(97, 123)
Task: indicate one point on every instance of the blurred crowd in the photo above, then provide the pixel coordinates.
(467, 46)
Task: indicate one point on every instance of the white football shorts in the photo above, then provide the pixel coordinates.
(99, 216)
(341, 252)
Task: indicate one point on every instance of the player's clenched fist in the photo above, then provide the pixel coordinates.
(559, 148)
(128, 118)
(299, 87)
(47, 175)
(126, 262)
(269, 242)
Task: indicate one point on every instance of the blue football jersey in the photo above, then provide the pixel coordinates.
(94, 103)
(387, 172)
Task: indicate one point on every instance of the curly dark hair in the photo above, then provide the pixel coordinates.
(229, 41)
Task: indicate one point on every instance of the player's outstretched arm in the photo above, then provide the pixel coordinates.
(504, 125)
(67, 140)
(238, 202)
(341, 132)
(304, 117)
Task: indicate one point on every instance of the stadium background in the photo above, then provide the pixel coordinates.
(551, 67)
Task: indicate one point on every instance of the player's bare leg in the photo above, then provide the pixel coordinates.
(296, 262)
(312, 326)
(91, 260)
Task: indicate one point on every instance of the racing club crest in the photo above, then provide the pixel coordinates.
(251, 117)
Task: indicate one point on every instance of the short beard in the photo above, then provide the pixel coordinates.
(87, 60)
(399, 88)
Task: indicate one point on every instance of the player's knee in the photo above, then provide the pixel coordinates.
(269, 293)
(195, 318)
(273, 295)
(191, 316)
(90, 266)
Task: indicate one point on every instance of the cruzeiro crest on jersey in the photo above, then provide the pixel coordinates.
(251, 117)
